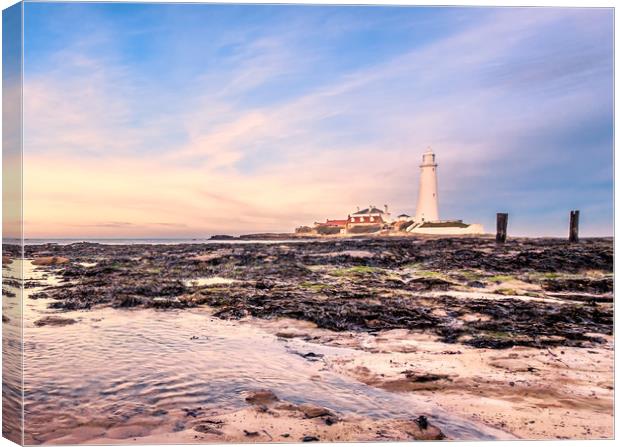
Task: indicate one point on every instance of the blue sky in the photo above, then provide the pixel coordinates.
(166, 120)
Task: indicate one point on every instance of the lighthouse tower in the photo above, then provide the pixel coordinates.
(427, 209)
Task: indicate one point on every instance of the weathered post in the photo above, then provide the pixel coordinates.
(573, 232)
(502, 225)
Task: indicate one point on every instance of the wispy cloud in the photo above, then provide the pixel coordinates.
(271, 129)
(106, 225)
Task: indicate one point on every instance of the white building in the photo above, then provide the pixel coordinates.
(428, 209)
(369, 216)
(426, 219)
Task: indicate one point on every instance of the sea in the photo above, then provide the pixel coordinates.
(109, 241)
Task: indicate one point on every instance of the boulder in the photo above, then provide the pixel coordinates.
(54, 320)
(261, 397)
(314, 411)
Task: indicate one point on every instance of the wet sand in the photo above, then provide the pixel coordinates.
(277, 422)
(515, 338)
(550, 393)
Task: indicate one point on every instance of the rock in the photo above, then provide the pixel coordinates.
(261, 397)
(205, 428)
(603, 285)
(262, 284)
(314, 411)
(250, 433)
(210, 426)
(8, 293)
(425, 284)
(50, 260)
(330, 420)
(129, 301)
(309, 439)
(193, 412)
(420, 429)
(311, 356)
(37, 295)
(287, 406)
(430, 433)
(424, 377)
(422, 422)
(284, 334)
(54, 320)
(31, 284)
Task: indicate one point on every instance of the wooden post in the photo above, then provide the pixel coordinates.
(573, 232)
(502, 225)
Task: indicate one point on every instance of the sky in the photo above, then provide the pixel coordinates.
(11, 124)
(179, 120)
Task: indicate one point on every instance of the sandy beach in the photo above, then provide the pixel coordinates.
(530, 393)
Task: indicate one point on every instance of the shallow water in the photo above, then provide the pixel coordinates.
(209, 281)
(11, 354)
(121, 367)
(87, 264)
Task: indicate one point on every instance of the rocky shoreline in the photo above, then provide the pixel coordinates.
(528, 292)
(500, 334)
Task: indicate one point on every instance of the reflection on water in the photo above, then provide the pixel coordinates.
(12, 351)
(121, 367)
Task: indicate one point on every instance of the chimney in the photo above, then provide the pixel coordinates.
(358, 209)
(386, 209)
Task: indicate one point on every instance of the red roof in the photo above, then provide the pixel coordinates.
(335, 223)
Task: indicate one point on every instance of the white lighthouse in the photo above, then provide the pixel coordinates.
(427, 210)
(426, 219)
